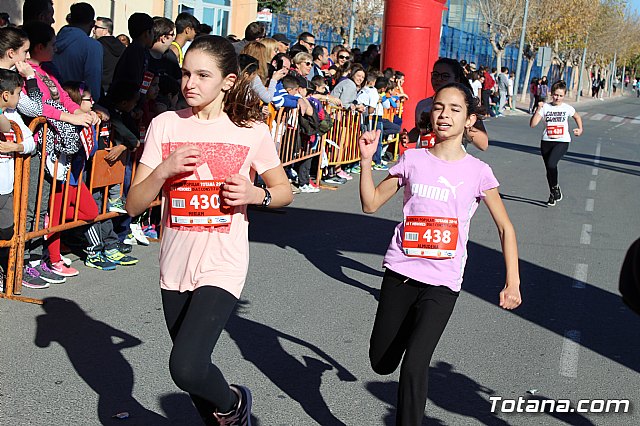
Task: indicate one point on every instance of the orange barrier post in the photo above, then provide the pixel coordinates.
(13, 273)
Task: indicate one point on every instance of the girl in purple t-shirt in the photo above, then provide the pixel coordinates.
(425, 260)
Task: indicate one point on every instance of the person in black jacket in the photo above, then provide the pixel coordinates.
(135, 59)
(112, 49)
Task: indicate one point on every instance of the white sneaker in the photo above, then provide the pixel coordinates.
(136, 230)
(65, 260)
(309, 189)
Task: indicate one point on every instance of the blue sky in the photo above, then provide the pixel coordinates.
(635, 4)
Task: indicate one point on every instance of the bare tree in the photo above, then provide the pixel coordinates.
(504, 23)
(336, 14)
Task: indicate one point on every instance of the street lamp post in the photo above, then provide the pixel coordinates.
(584, 59)
(521, 50)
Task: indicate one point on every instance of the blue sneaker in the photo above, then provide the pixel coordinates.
(99, 261)
(380, 167)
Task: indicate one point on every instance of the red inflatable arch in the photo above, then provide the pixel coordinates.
(411, 43)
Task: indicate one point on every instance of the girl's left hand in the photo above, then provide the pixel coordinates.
(577, 132)
(510, 297)
(238, 191)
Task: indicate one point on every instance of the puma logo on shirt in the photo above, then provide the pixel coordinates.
(435, 192)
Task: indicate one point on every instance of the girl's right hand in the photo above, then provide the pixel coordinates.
(181, 161)
(404, 138)
(24, 69)
(83, 119)
(368, 143)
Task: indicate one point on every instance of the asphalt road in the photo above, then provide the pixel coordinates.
(300, 337)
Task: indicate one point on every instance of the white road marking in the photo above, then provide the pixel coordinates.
(616, 119)
(580, 275)
(594, 172)
(570, 354)
(589, 205)
(592, 185)
(596, 117)
(585, 235)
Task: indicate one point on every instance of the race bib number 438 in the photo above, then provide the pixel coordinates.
(430, 237)
(197, 203)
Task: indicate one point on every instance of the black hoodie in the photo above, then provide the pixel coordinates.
(112, 48)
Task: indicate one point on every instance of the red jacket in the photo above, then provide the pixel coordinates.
(489, 82)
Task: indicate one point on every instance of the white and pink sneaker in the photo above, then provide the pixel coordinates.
(63, 270)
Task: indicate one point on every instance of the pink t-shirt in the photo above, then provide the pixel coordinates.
(439, 189)
(191, 257)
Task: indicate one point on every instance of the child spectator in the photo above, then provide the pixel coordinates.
(369, 96)
(296, 87)
(121, 100)
(103, 250)
(10, 88)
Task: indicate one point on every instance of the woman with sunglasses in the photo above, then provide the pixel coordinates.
(445, 71)
(303, 62)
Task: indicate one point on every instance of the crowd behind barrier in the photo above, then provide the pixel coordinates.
(337, 147)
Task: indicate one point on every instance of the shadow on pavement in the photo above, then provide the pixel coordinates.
(261, 345)
(96, 359)
(538, 203)
(550, 301)
(325, 238)
(572, 157)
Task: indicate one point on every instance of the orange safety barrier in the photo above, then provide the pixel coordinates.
(17, 240)
(103, 175)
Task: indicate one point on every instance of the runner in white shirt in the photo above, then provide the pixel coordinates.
(556, 136)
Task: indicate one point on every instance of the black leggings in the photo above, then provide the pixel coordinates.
(195, 321)
(410, 319)
(552, 152)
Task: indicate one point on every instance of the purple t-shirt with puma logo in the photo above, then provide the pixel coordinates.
(438, 188)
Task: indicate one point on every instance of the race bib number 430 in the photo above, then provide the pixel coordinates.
(555, 132)
(197, 203)
(430, 237)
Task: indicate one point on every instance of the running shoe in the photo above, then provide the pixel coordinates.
(380, 167)
(355, 170)
(63, 270)
(557, 194)
(31, 278)
(116, 205)
(344, 175)
(129, 240)
(294, 189)
(241, 414)
(99, 261)
(124, 248)
(115, 256)
(334, 180)
(150, 232)
(552, 200)
(66, 260)
(308, 189)
(136, 230)
(50, 275)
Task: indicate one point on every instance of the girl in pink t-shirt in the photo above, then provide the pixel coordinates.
(204, 160)
(425, 261)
